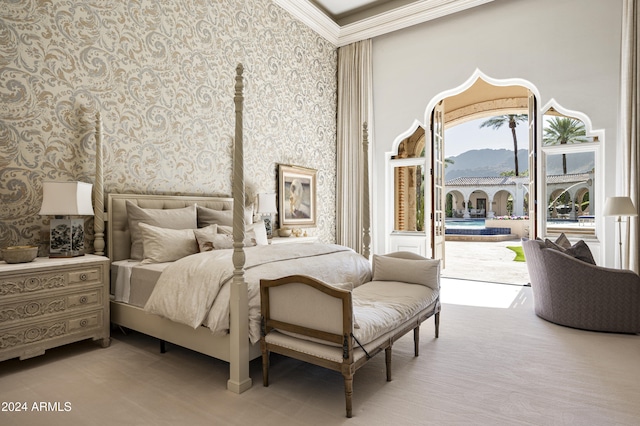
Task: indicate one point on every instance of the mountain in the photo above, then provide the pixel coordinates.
(485, 163)
(491, 162)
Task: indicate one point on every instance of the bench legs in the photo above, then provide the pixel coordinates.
(387, 360)
(348, 392)
(265, 368)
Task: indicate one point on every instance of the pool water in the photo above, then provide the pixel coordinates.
(472, 227)
(464, 224)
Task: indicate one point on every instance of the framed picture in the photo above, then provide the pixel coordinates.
(296, 196)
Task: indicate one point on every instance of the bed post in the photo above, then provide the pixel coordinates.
(239, 379)
(366, 225)
(98, 194)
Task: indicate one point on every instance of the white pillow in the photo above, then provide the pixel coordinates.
(166, 245)
(205, 236)
(207, 216)
(225, 241)
(184, 218)
(259, 232)
(414, 271)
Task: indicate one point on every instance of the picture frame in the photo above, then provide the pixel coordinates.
(296, 196)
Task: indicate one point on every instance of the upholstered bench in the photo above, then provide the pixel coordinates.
(340, 328)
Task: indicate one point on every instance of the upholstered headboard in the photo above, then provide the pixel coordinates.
(118, 235)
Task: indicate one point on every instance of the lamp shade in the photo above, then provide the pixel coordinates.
(267, 203)
(66, 199)
(619, 206)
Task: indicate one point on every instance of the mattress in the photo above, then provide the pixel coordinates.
(132, 282)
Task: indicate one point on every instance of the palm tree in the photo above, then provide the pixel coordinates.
(513, 119)
(562, 131)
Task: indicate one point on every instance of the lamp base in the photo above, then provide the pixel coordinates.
(66, 237)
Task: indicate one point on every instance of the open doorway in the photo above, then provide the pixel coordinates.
(422, 155)
(488, 136)
(487, 200)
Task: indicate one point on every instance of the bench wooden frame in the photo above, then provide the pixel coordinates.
(353, 356)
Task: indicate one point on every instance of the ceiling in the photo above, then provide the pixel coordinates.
(346, 21)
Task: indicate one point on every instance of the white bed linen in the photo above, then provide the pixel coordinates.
(123, 279)
(124, 270)
(195, 290)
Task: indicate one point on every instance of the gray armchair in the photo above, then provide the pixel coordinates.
(570, 292)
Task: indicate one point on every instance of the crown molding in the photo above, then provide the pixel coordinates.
(313, 17)
(393, 20)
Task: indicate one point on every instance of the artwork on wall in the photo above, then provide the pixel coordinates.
(296, 196)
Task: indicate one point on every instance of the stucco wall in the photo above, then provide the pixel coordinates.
(162, 74)
(568, 50)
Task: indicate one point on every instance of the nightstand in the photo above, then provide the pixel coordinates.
(52, 302)
(292, 239)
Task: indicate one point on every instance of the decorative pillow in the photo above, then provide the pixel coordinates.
(579, 250)
(225, 241)
(207, 216)
(184, 218)
(166, 245)
(414, 271)
(563, 241)
(204, 237)
(258, 229)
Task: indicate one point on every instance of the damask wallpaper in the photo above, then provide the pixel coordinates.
(162, 74)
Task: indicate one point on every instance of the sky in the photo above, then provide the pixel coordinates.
(467, 136)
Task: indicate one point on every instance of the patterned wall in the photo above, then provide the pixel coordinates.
(162, 74)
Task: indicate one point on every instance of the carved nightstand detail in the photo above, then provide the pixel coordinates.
(52, 302)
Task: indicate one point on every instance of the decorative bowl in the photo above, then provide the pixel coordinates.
(284, 232)
(19, 254)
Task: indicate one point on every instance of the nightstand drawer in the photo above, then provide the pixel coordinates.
(84, 276)
(34, 282)
(31, 340)
(34, 308)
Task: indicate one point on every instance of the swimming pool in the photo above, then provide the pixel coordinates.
(464, 223)
(472, 227)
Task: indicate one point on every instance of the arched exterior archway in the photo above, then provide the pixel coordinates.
(480, 96)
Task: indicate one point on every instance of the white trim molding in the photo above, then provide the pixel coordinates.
(383, 23)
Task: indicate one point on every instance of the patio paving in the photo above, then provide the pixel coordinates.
(489, 261)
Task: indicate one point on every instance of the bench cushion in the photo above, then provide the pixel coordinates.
(382, 306)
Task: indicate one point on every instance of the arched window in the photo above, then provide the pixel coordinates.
(571, 152)
(408, 173)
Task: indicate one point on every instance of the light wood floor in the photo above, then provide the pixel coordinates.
(490, 366)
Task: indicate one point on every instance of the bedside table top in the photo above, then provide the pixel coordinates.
(42, 262)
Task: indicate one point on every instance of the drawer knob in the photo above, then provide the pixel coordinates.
(83, 277)
(83, 323)
(84, 299)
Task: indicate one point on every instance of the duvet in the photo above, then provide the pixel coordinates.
(195, 289)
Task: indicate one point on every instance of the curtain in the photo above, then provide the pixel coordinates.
(630, 127)
(354, 108)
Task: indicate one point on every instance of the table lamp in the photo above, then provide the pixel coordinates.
(65, 201)
(267, 207)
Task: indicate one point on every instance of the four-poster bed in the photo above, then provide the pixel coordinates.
(237, 346)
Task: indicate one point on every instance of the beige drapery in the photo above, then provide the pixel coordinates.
(354, 108)
(630, 127)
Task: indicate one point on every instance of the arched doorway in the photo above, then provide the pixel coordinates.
(480, 96)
